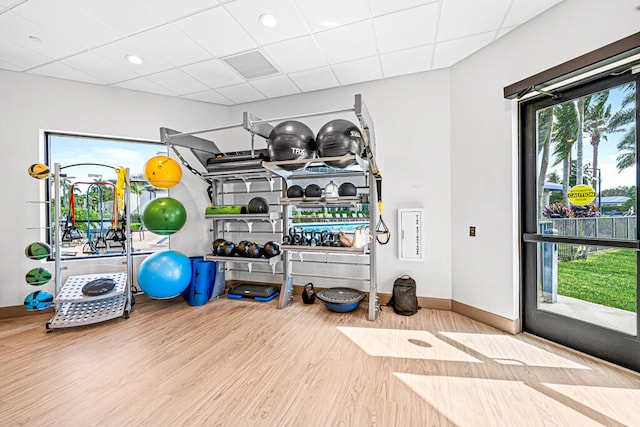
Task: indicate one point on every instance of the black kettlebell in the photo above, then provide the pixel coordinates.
(308, 294)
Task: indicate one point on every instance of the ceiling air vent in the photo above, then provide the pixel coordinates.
(251, 64)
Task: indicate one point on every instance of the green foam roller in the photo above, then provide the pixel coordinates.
(226, 210)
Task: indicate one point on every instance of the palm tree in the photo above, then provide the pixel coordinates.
(137, 190)
(626, 115)
(545, 127)
(598, 125)
(564, 135)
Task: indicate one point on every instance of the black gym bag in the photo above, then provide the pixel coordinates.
(404, 300)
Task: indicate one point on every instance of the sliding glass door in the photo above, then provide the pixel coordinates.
(578, 218)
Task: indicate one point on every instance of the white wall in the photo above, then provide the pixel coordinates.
(484, 152)
(29, 104)
(412, 124)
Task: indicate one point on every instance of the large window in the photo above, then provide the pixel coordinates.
(92, 220)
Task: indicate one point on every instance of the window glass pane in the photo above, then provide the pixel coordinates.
(92, 220)
(586, 165)
(590, 283)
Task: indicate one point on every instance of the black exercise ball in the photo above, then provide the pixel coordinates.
(258, 205)
(313, 190)
(295, 191)
(347, 189)
(271, 249)
(255, 250)
(339, 138)
(226, 248)
(217, 243)
(291, 140)
(242, 248)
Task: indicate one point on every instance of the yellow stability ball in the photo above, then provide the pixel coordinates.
(162, 172)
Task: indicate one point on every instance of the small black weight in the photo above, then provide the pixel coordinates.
(308, 294)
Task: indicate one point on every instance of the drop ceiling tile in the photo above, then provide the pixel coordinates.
(126, 16)
(407, 61)
(382, 7)
(7, 66)
(21, 57)
(310, 80)
(523, 10)
(99, 67)
(297, 54)
(409, 28)
(170, 44)
(321, 15)
(117, 52)
(213, 73)
(16, 29)
(216, 31)
(361, 70)
(448, 53)
(177, 81)
(143, 84)
(272, 87)
(209, 96)
(241, 93)
(290, 24)
(65, 18)
(172, 9)
(347, 43)
(461, 18)
(63, 71)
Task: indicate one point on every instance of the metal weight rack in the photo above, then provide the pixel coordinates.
(72, 307)
(365, 167)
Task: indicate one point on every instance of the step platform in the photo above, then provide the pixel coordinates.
(256, 291)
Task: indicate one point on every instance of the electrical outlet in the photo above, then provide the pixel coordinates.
(472, 231)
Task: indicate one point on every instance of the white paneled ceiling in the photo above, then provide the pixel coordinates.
(315, 44)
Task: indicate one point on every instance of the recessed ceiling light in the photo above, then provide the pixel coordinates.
(268, 20)
(35, 39)
(134, 59)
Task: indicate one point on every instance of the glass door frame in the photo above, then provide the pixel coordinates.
(611, 345)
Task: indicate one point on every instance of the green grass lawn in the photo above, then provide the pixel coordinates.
(606, 278)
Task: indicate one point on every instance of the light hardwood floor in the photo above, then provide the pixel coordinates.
(245, 363)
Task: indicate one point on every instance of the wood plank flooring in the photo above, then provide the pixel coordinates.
(245, 363)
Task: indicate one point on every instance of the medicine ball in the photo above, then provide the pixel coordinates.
(258, 205)
(217, 243)
(313, 190)
(339, 138)
(271, 249)
(255, 250)
(226, 248)
(347, 189)
(291, 140)
(295, 191)
(242, 248)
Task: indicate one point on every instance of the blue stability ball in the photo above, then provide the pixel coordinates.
(164, 274)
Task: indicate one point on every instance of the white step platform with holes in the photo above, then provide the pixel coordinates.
(77, 309)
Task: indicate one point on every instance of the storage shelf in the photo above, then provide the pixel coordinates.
(325, 249)
(267, 217)
(271, 261)
(82, 313)
(312, 220)
(71, 292)
(317, 167)
(323, 202)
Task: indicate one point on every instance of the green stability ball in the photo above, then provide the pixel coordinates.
(164, 216)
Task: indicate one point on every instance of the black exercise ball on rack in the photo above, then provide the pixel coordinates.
(255, 250)
(242, 248)
(295, 191)
(347, 189)
(339, 138)
(226, 248)
(291, 140)
(271, 249)
(217, 243)
(313, 190)
(258, 205)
